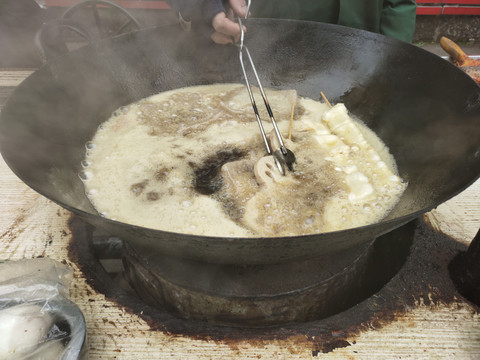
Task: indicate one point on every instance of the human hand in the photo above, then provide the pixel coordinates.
(226, 29)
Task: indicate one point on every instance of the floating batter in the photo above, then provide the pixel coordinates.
(192, 161)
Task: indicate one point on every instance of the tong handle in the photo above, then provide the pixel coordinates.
(283, 157)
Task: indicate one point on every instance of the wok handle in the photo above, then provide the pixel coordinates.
(458, 56)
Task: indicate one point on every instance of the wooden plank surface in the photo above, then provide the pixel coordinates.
(32, 226)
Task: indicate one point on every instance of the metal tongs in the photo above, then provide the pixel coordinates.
(284, 158)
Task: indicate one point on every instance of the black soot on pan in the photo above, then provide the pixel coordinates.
(207, 179)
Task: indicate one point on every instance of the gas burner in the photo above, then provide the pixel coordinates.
(249, 295)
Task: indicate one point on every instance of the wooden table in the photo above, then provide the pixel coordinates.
(428, 327)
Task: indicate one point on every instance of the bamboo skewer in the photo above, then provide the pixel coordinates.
(325, 99)
(290, 128)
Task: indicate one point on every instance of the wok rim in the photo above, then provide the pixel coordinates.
(319, 237)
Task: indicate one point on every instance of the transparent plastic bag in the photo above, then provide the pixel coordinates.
(37, 321)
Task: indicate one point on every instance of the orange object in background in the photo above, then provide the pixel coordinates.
(461, 59)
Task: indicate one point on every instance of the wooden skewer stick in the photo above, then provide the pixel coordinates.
(325, 99)
(290, 128)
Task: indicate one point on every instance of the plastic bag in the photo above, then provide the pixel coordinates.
(36, 319)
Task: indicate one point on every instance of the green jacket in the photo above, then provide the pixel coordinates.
(394, 18)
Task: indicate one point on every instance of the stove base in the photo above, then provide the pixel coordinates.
(266, 295)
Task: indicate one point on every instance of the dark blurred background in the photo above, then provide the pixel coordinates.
(21, 20)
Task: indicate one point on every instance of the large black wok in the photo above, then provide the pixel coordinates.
(426, 110)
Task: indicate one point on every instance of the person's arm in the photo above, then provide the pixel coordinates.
(398, 19)
(210, 17)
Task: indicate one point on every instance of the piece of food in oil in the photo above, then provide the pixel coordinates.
(192, 161)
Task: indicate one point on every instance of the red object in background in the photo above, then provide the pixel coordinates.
(424, 7)
(462, 2)
(127, 4)
(429, 10)
(448, 7)
(461, 10)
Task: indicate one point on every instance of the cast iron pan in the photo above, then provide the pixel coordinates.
(425, 109)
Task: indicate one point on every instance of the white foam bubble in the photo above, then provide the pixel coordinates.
(90, 145)
(186, 203)
(85, 175)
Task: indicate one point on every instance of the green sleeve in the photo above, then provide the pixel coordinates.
(313, 10)
(394, 18)
(398, 19)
